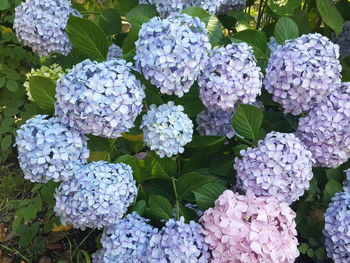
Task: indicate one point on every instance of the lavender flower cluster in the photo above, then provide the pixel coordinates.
(48, 150)
(127, 241)
(215, 123)
(280, 167)
(41, 25)
(230, 76)
(97, 196)
(301, 73)
(101, 99)
(114, 52)
(343, 40)
(337, 228)
(172, 52)
(326, 129)
(179, 242)
(167, 129)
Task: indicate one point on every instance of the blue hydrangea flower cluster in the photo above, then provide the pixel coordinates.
(178, 242)
(326, 129)
(281, 167)
(215, 123)
(301, 73)
(48, 150)
(166, 129)
(41, 25)
(230, 76)
(97, 257)
(273, 44)
(172, 52)
(168, 7)
(225, 6)
(127, 241)
(101, 99)
(343, 40)
(114, 52)
(97, 196)
(337, 228)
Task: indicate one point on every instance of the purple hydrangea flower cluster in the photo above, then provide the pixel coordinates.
(102, 99)
(41, 25)
(178, 242)
(127, 241)
(215, 123)
(301, 73)
(279, 167)
(326, 129)
(114, 52)
(230, 76)
(343, 40)
(167, 129)
(226, 5)
(172, 52)
(97, 196)
(48, 150)
(168, 7)
(337, 228)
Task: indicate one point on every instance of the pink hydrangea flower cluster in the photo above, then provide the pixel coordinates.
(245, 228)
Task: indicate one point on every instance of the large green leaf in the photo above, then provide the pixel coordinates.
(190, 182)
(331, 188)
(135, 164)
(191, 102)
(160, 207)
(124, 6)
(283, 7)
(88, 38)
(246, 121)
(206, 141)
(43, 92)
(133, 35)
(330, 15)
(163, 168)
(110, 21)
(254, 38)
(196, 12)
(207, 194)
(142, 10)
(286, 29)
(240, 16)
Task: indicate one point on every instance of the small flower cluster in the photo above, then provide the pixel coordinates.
(230, 76)
(250, 229)
(41, 25)
(167, 129)
(101, 99)
(53, 72)
(326, 129)
(172, 52)
(127, 241)
(301, 73)
(343, 40)
(48, 150)
(114, 52)
(337, 228)
(279, 167)
(179, 242)
(215, 123)
(97, 196)
(273, 44)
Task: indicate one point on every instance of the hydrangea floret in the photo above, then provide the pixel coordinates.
(172, 52)
(178, 242)
(114, 52)
(215, 123)
(101, 99)
(230, 76)
(325, 130)
(302, 72)
(128, 240)
(49, 150)
(41, 25)
(166, 129)
(245, 228)
(280, 167)
(337, 228)
(97, 196)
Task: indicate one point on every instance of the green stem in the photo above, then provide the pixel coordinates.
(82, 242)
(261, 12)
(176, 199)
(16, 252)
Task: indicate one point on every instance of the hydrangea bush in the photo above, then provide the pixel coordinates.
(183, 131)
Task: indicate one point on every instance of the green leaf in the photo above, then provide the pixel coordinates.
(133, 35)
(331, 188)
(240, 16)
(2, 81)
(206, 141)
(207, 194)
(139, 207)
(110, 21)
(246, 121)
(4, 4)
(163, 168)
(160, 207)
(254, 38)
(88, 38)
(195, 11)
(43, 92)
(135, 165)
(12, 85)
(330, 15)
(98, 144)
(142, 10)
(222, 165)
(214, 29)
(190, 182)
(283, 7)
(191, 102)
(285, 29)
(6, 142)
(124, 6)
(188, 214)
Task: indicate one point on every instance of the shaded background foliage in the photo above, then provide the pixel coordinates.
(202, 173)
